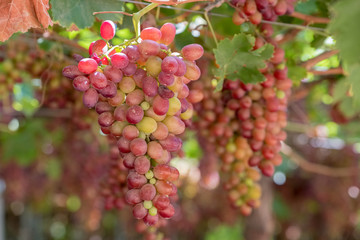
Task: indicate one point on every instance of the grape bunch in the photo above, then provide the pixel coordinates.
(261, 110)
(220, 127)
(257, 10)
(114, 186)
(23, 62)
(139, 89)
(242, 188)
(245, 122)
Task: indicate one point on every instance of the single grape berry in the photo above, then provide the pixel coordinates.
(107, 30)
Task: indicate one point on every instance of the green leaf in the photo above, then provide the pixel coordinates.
(347, 107)
(192, 148)
(24, 99)
(354, 80)
(345, 28)
(22, 145)
(296, 73)
(250, 75)
(80, 12)
(225, 232)
(341, 87)
(237, 60)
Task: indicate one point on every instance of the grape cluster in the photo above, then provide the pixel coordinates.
(139, 89)
(261, 111)
(257, 10)
(245, 122)
(243, 190)
(22, 61)
(114, 186)
(220, 127)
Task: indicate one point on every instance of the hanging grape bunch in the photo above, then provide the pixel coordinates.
(257, 10)
(139, 90)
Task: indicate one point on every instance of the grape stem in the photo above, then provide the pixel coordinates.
(317, 168)
(137, 16)
(120, 12)
(207, 9)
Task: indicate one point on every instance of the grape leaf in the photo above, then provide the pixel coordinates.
(80, 12)
(340, 90)
(345, 28)
(21, 15)
(23, 145)
(237, 60)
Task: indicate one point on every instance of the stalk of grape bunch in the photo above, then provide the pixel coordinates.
(139, 89)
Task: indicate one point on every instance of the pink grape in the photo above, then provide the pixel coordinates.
(138, 146)
(165, 92)
(167, 212)
(134, 114)
(163, 187)
(162, 171)
(81, 83)
(101, 107)
(130, 69)
(135, 180)
(90, 98)
(154, 150)
(138, 77)
(120, 113)
(119, 60)
(160, 105)
(129, 160)
(98, 80)
(105, 119)
(98, 48)
(123, 145)
(150, 33)
(71, 71)
(166, 78)
(169, 65)
(151, 220)
(161, 202)
(87, 65)
(168, 32)
(147, 192)
(135, 97)
(192, 52)
(181, 67)
(109, 91)
(130, 132)
(149, 48)
(133, 196)
(139, 211)
(142, 164)
(161, 132)
(150, 86)
(113, 74)
(107, 30)
(132, 52)
(171, 143)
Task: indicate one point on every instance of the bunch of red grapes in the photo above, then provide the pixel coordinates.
(139, 89)
(257, 10)
(245, 122)
(22, 61)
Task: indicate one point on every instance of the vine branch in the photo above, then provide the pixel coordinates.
(119, 12)
(331, 71)
(317, 168)
(310, 19)
(313, 61)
